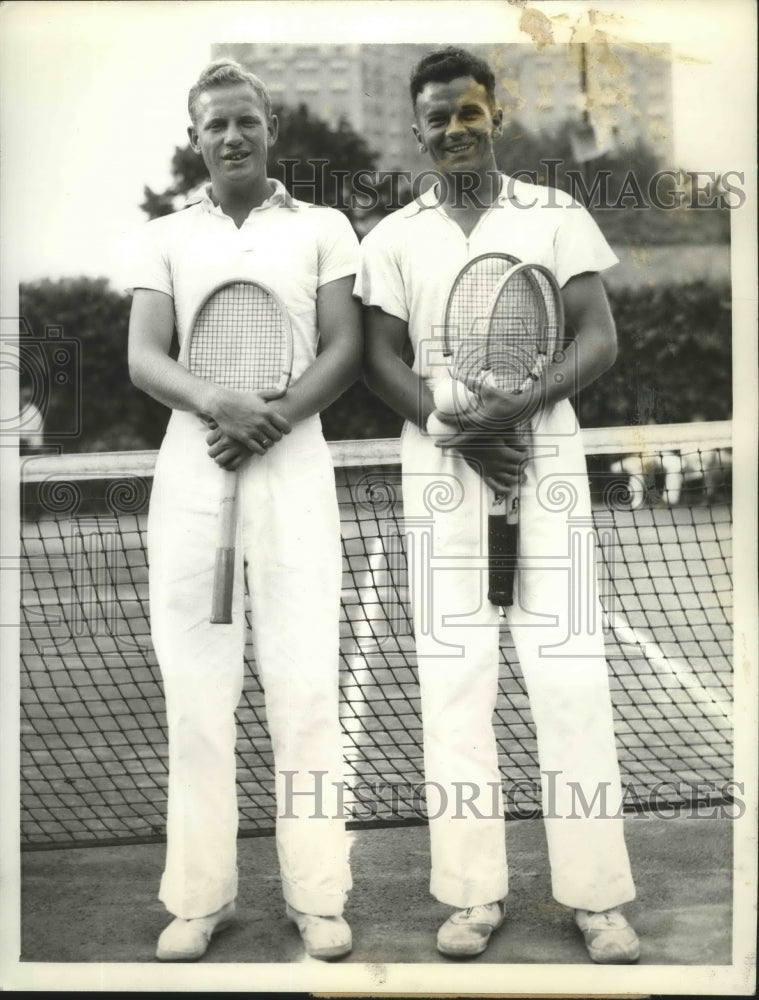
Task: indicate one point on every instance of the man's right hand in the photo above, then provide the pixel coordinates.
(500, 464)
(247, 418)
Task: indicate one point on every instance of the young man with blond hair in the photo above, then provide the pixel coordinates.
(243, 225)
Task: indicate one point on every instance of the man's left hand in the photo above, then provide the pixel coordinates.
(498, 412)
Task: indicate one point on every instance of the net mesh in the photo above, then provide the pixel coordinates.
(93, 729)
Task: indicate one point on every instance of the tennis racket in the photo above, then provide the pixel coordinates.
(466, 310)
(241, 338)
(510, 345)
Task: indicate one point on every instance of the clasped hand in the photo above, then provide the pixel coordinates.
(485, 436)
(494, 410)
(241, 424)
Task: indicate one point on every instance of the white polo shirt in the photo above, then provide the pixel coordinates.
(409, 260)
(290, 246)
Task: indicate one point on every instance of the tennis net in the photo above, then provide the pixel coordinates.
(93, 728)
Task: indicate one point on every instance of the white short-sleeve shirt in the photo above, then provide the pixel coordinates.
(288, 245)
(409, 260)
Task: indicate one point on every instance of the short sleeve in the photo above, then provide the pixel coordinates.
(338, 248)
(579, 245)
(146, 262)
(379, 281)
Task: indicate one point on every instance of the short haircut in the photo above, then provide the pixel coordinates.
(225, 73)
(444, 65)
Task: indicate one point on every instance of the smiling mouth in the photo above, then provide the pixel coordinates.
(461, 147)
(235, 157)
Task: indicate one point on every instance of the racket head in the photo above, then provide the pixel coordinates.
(241, 337)
(469, 299)
(524, 326)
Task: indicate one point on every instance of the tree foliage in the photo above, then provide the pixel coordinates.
(673, 366)
(96, 399)
(624, 189)
(674, 361)
(551, 154)
(188, 172)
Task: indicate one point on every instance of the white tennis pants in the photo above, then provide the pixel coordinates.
(289, 540)
(557, 629)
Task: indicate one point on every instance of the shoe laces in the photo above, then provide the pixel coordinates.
(604, 919)
(481, 910)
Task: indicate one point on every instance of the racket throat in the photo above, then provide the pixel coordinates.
(223, 587)
(224, 564)
(505, 506)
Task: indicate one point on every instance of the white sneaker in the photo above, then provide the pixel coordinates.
(323, 937)
(467, 932)
(186, 940)
(608, 936)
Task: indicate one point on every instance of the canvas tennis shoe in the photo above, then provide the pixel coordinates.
(466, 932)
(186, 940)
(608, 936)
(323, 937)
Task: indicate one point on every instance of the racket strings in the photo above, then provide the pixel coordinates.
(467, 311)
(551, 300)
(466, 318)
(240, 340)
(517, 332)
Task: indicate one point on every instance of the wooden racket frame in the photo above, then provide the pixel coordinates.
(226, 545)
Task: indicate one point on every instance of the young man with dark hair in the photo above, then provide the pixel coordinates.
(444, 65)
(409, 262)
(243, 225)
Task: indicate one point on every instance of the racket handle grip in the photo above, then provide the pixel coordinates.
(503, 545)
(224, 567)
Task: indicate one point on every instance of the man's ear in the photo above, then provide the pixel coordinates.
(192, 134)
(497, 122)
(273, 129)
(418, 136)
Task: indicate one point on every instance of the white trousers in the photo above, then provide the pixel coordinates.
(557, 630)
(289, 547)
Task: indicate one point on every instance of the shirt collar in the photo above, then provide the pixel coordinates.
(429, 198)
(279, 197)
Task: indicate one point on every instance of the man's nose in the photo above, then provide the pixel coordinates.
(455, 126)
(232, 136)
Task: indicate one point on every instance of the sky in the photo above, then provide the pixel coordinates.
(93, 96)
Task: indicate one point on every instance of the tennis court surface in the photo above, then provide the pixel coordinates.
(99, 904)
(93, 729)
